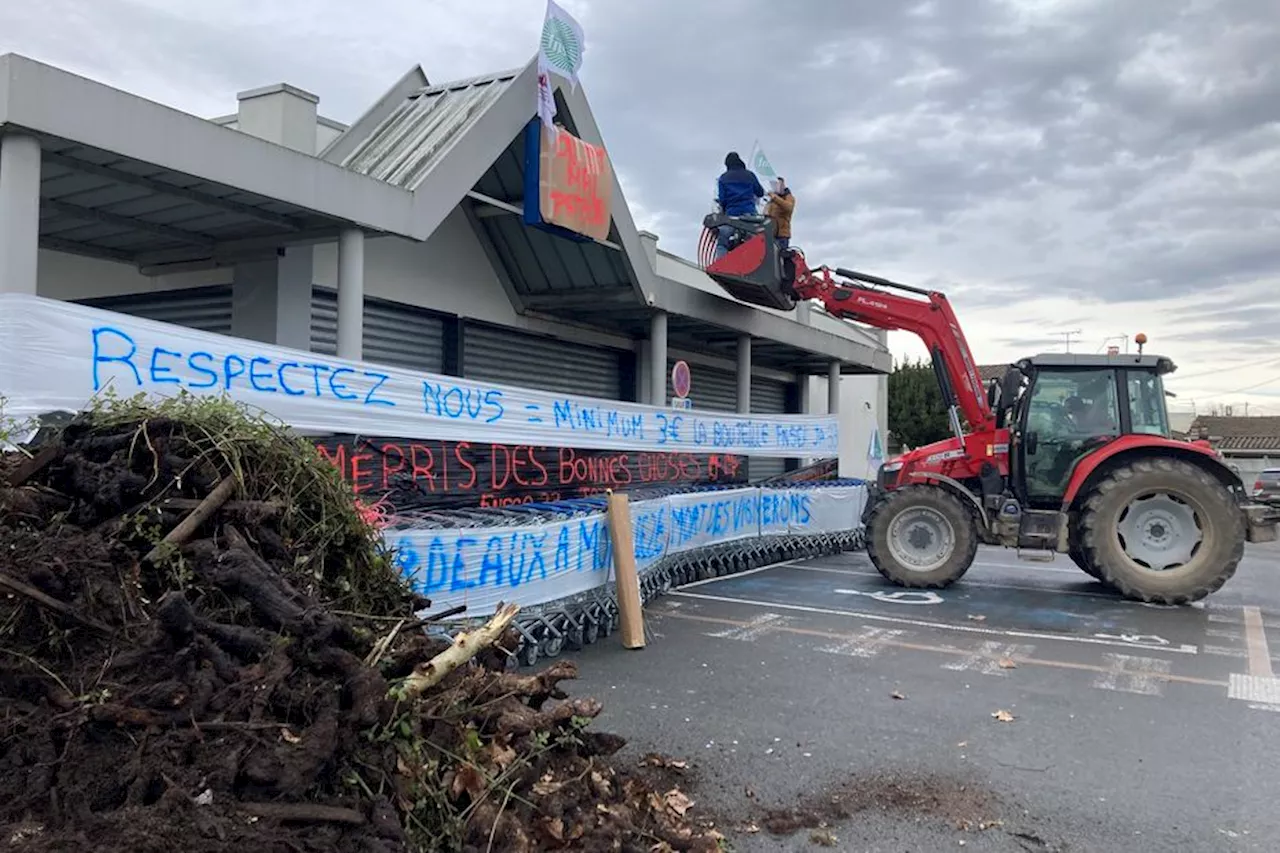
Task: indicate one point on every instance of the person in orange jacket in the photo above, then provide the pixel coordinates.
(780, 207)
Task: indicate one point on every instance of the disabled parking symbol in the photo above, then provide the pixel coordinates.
(903, 596)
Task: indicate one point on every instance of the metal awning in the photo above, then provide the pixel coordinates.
(99, 204)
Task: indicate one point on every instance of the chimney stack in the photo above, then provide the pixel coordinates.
(280, 113)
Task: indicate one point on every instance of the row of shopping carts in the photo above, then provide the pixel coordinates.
(549, 628)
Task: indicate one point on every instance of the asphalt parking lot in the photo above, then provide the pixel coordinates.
(1133, 727)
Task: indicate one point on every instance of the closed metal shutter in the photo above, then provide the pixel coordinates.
(507, 356)
(710, 389)
(205, 308)
(395, 334)
(768, 397)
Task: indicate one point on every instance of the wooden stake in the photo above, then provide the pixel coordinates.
(630, 613)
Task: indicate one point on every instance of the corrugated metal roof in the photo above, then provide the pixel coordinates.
(405, 146)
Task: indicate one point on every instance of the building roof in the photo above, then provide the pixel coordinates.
(153, 182)
(406, 144)
(1238, 433)
(164, 190)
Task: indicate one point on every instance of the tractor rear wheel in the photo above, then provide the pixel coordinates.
(921, 537)
(1076, 552)
(1077, 556)
(1163, 531)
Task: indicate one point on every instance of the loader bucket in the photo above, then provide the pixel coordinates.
(754, 269)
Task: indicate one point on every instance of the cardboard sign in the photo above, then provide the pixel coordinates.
(575, 186)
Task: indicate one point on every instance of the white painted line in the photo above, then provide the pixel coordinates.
(738, 574)
(1223, 633)
(765, 623)
(986, 564)
(986, 658)
(1224, 651)
(1132, 674)
(1181, 649)
(1255, 639)
(965, 581)
(1254, 688)
(867, 643)
(1275, 708)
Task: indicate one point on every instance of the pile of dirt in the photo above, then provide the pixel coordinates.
(184, 665)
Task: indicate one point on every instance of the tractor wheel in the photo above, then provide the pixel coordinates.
(1077, 556)
(1076, 552)
(1162, 531)
(922, 537)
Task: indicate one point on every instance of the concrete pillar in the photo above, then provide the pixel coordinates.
(833, 388)
(744, 374)
(351, 294)
(19, 213)
(271, 299)
(658, 359)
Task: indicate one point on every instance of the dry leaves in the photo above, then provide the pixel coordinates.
(546, 786)
(289, 737)
(1003, 717)
(823, 838)
(677, 801)
(898, 694)
(654, 759)
(501, 754)
(468, 779)
(1007, 663)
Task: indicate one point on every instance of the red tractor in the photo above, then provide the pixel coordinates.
(1066, 454)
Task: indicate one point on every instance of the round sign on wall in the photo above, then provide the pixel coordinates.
(680, 378)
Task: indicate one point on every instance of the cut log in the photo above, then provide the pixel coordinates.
(465, 646)
(34, 465)
(189, 525)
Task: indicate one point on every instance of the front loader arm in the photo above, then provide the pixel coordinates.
(932, 321)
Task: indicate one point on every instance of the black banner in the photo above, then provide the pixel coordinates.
(442, 474)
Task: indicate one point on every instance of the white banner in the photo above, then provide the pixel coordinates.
(537, 563)
(54, 356)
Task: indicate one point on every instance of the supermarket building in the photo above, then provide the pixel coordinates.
(398, 239)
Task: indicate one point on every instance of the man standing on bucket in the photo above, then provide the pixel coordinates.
(781, 205)
(736, 193)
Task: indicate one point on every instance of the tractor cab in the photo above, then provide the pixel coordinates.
(755, 269)
(1060, 408)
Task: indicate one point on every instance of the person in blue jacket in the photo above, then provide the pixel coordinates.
(737, 191)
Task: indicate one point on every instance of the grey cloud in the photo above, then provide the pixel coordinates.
(1096, 150)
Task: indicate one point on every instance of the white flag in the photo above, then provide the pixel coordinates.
(562, 44)
(760, 164)
(546, 97)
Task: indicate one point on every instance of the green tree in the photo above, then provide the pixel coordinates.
(916, 413)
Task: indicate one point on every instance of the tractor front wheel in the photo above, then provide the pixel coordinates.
(922, 537)
(1163, 531)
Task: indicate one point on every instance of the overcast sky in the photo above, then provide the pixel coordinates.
(1107, 166)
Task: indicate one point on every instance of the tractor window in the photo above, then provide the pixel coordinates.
(1069, 413)
(1146, 404)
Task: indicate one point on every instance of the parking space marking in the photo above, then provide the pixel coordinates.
(1132, 674)
(946, 650)
(986, 658)
(1255, 638)
(1259, 687)
(1181, 649)
(766, 623)
(966, 581)
(867, 643)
